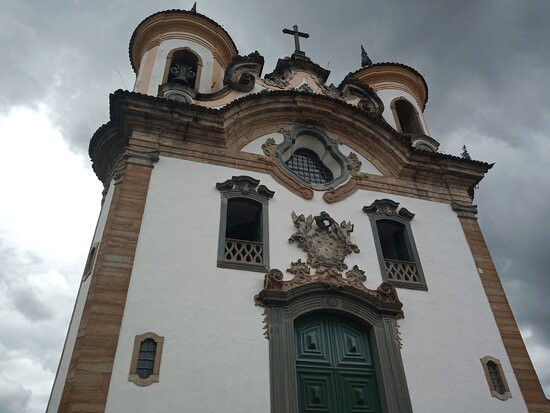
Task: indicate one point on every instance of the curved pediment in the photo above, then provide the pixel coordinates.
(218, 136)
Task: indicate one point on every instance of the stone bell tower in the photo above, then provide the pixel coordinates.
(279, 244)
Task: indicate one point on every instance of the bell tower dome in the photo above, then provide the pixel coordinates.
(177, 54)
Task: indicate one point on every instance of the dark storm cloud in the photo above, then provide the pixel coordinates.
(485, 64)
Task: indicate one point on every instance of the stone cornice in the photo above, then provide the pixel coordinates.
(228, 129)
(160, 26)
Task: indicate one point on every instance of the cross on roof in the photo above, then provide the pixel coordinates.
(297, 36)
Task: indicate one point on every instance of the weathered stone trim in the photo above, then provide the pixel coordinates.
(507, 394)
(464, 210)
(515, 347)
(153, 378)
(93, 356)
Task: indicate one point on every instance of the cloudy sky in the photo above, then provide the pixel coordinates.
(486, 64)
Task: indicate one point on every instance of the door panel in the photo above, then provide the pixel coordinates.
(334, 366)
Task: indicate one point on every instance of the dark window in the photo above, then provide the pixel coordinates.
(495, 377)
(393, 240)
(408, 118)
(146, 358)
(306, 164)
(183, 68)
(244, 220)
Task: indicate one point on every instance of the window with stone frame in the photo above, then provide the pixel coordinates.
(498, 386)
(146, 356)
(244, 226)
(395, 246)
(312, 158)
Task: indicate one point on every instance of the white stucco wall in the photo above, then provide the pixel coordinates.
(215, 357)
(387, 95)
(74, 324)
(160, 64)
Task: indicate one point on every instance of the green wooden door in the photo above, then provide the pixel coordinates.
(334, 366)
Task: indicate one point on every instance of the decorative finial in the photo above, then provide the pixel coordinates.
(365, 60)
(297, 34)
(194, 8)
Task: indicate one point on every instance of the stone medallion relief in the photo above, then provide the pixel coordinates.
(326, 244)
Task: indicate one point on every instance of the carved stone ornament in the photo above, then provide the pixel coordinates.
(270, 147)
(243, 71)
(304, 87)
(389, 208)
(326, 243)
(368, 99)
(245, 185)
(274, 282)
(354, 164)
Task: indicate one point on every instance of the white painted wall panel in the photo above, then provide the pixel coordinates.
(215, 356)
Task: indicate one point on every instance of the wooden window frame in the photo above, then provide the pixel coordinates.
(153, 378)
(501, 396)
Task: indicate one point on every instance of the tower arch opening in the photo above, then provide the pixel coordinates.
(407, 118)
(183, 67)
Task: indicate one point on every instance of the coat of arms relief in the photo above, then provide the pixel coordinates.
(327, 243)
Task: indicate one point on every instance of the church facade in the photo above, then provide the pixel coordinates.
(278, 244)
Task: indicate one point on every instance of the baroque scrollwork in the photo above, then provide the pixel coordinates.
(327, 244)
(274, 282)
(245, 185)
(243, 71)
(269, 147)
(388, 208)
(354, 164)
(368, 99)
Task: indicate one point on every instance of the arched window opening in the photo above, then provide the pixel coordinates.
(408, 118)
(244, 220)
(494, 374)
(306, 164)
(145, 364)
(183, 68)
(334, 366)
(393, 241)
(495, 377)
(146, 358)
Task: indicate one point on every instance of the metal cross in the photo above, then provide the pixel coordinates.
(296, 35)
